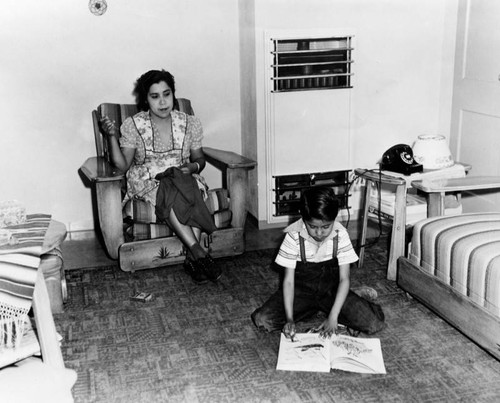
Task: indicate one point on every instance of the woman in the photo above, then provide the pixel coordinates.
(155, 139)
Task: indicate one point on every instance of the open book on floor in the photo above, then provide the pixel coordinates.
(356, 354)
(307, 352)
(310, 352)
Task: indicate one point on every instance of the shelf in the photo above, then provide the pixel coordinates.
(319, 76)
(288, 189)
(314, 51)
(312, 64)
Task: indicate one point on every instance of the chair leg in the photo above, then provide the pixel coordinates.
(51, 352)
(108, 196)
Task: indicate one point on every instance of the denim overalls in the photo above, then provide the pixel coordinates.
(316, 286)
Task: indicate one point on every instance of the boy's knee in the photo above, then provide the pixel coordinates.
(262, 321)
(258, 320)
(378, 322)
(376, 327)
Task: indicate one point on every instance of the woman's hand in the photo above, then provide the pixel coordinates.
(189, 168)
(109, 128)
(289, 330)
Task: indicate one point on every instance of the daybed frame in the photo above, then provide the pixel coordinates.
(471, 319)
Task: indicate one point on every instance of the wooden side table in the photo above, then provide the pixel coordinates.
(401, 183)
(437, 189)
(399, 221)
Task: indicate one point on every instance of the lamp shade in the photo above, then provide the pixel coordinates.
(432, 152)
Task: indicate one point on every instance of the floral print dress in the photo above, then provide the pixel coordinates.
(154, 156)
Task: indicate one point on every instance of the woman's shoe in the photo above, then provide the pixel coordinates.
(210, 268)
(195, 270)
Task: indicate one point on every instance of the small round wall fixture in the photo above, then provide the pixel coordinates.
(98, 7)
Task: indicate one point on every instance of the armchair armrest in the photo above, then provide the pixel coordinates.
(227, 159)
(98, 169)
(437, 189)
(108, 184)
(234, 169)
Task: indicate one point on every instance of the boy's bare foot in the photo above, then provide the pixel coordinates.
(367, 293)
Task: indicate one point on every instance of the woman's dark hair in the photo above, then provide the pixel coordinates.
(319, 203)
(144, 83)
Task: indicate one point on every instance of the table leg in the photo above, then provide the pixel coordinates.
(435, 206)
(364, 224)
(397, 247)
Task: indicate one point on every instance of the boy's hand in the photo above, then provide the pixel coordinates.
(289, 330)
(328, 328)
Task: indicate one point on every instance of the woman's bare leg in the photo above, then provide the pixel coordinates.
(202, 264)
(188, 235)
(197, 233)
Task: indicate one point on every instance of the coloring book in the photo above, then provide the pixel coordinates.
(307, 352)
(310, 352)
(356, 354)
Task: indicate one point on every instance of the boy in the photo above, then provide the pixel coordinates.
(316, 255)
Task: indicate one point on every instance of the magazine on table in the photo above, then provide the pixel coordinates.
(312, 353)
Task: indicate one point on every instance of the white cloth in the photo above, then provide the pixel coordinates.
(455, 171)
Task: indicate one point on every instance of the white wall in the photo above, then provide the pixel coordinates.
(59, 62)
(404, 54)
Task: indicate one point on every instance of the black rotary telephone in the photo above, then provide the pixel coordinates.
(399, 158)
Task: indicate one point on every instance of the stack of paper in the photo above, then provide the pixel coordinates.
(416, 206)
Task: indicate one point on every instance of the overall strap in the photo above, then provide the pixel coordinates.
(335, 245)
(302, 250)
(334, 248)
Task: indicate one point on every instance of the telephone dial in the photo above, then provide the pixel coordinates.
(399, 158)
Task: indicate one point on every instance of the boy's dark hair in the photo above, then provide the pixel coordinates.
(144, 83)
(319, 203)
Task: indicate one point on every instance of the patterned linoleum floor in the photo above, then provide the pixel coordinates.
(197, 343)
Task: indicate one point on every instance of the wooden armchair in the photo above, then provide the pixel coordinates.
(107, 182)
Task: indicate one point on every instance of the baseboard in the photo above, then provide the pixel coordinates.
(83, 225)
(80, 235)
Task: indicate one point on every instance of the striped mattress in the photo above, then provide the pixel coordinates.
(464, 252)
